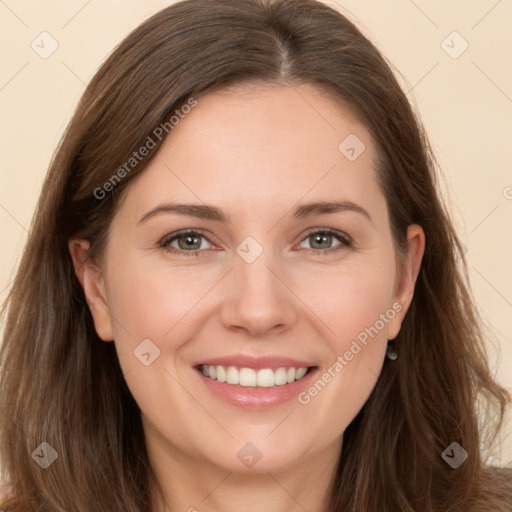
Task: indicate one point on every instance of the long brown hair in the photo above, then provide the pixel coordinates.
(62, 385)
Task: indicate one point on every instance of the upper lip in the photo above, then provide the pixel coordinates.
(256, 363)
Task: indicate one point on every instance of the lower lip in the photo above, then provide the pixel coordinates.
(250, 397)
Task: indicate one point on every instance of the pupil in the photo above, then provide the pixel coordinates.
(320, 238)
(190, 240)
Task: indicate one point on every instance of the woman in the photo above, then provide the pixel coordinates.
(268, 371)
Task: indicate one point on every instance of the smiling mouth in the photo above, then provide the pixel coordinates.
(249, 377)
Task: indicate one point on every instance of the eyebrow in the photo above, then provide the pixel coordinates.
(210, 212)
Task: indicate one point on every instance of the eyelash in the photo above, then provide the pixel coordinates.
(344, 239)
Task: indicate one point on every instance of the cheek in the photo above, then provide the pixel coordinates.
(349, 300)
(355, 307)
(155, 303)
(163, 305)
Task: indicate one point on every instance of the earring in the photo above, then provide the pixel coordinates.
(391, 352)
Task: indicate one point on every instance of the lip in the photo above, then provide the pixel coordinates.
(256, 398)
(256, 363)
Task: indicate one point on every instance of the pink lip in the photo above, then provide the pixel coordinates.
(256, 363)
(255, 398)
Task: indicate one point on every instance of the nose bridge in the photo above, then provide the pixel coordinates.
(259, 299)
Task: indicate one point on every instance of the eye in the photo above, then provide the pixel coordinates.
(322, 239)
(188, 242)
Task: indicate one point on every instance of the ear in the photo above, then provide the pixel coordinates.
(93, 285)
(404, 289)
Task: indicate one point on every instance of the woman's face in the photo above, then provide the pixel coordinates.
(269, 281)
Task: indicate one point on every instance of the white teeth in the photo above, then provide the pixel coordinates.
(298, 374)
(281, 377)
(264, 378)
(221, 374)
(247, 377)
(232, 375)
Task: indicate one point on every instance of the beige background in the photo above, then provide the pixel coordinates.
(465, 103)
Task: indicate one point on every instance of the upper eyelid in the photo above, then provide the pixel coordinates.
(167, 238)
(343, 236)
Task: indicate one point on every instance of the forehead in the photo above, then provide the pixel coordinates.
(263, 146)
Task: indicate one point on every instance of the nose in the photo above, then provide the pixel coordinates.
(259, 300)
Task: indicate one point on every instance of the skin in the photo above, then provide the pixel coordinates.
(256, 152)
